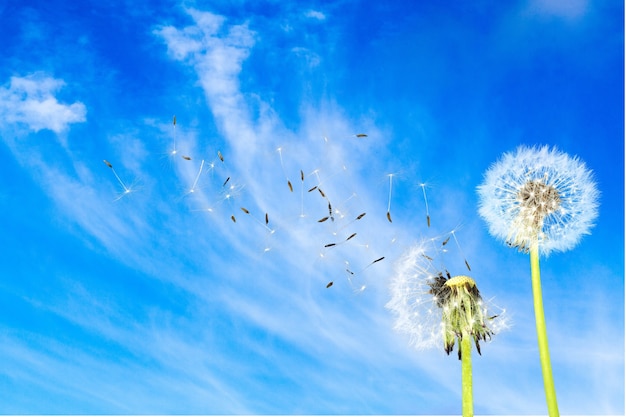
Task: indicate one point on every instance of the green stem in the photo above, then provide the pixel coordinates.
(542, 333)
(466, 375)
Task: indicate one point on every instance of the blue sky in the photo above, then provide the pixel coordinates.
(170, 298)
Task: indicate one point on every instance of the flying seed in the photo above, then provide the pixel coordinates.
(225, 182)
(312, 189)
(323, 219)
(425, 203)
(427, 257)
(233, 218)
(245, 210)
(267, 218)
(328, 245)
(351, 236)
(361, 135)
(492, 317)
(330, 284)
(126, 189)
(321, 192)
(389, 202)
(193, 187)
(219, 155)
(185, 157)
(379, 259)
(461, 250)
(290, 186)
(360, 216)
(301, 175)
(174, 120)
(445, 241)
(350, 272)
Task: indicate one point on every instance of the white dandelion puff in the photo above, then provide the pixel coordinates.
(539, 194)
(411, 302)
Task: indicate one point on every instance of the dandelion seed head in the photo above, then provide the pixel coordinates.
(434, 310)
(539, 194)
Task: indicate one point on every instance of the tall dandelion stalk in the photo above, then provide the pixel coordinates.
(539, 200)
(436, 310)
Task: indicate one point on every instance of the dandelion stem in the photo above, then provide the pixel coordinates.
(466, 375)
(542, 334)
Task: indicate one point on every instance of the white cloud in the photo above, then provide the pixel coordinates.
(30, 100)
(314, 14)
(564, 9)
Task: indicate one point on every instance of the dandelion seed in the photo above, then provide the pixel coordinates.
(185, 157)
(195, 182)
(323, 219)
(321, 192)
(220, 156)
(302, 194)
(378, 260)
(351, 236)
(267, 218)
(389, 202)
(426, 203)
(282, 166)
(126, 189)
(330, 284)
(174, 149)
(460, 250)
(445, 242)
(313, 188)
(245, 210)
(329, 245)
(361, 135)
(233, 218)
(226, 182)
(360, 216)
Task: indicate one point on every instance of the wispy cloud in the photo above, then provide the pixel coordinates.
(30, 101)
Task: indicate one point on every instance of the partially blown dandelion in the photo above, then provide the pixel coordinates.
(539, 200)
(436, 310)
